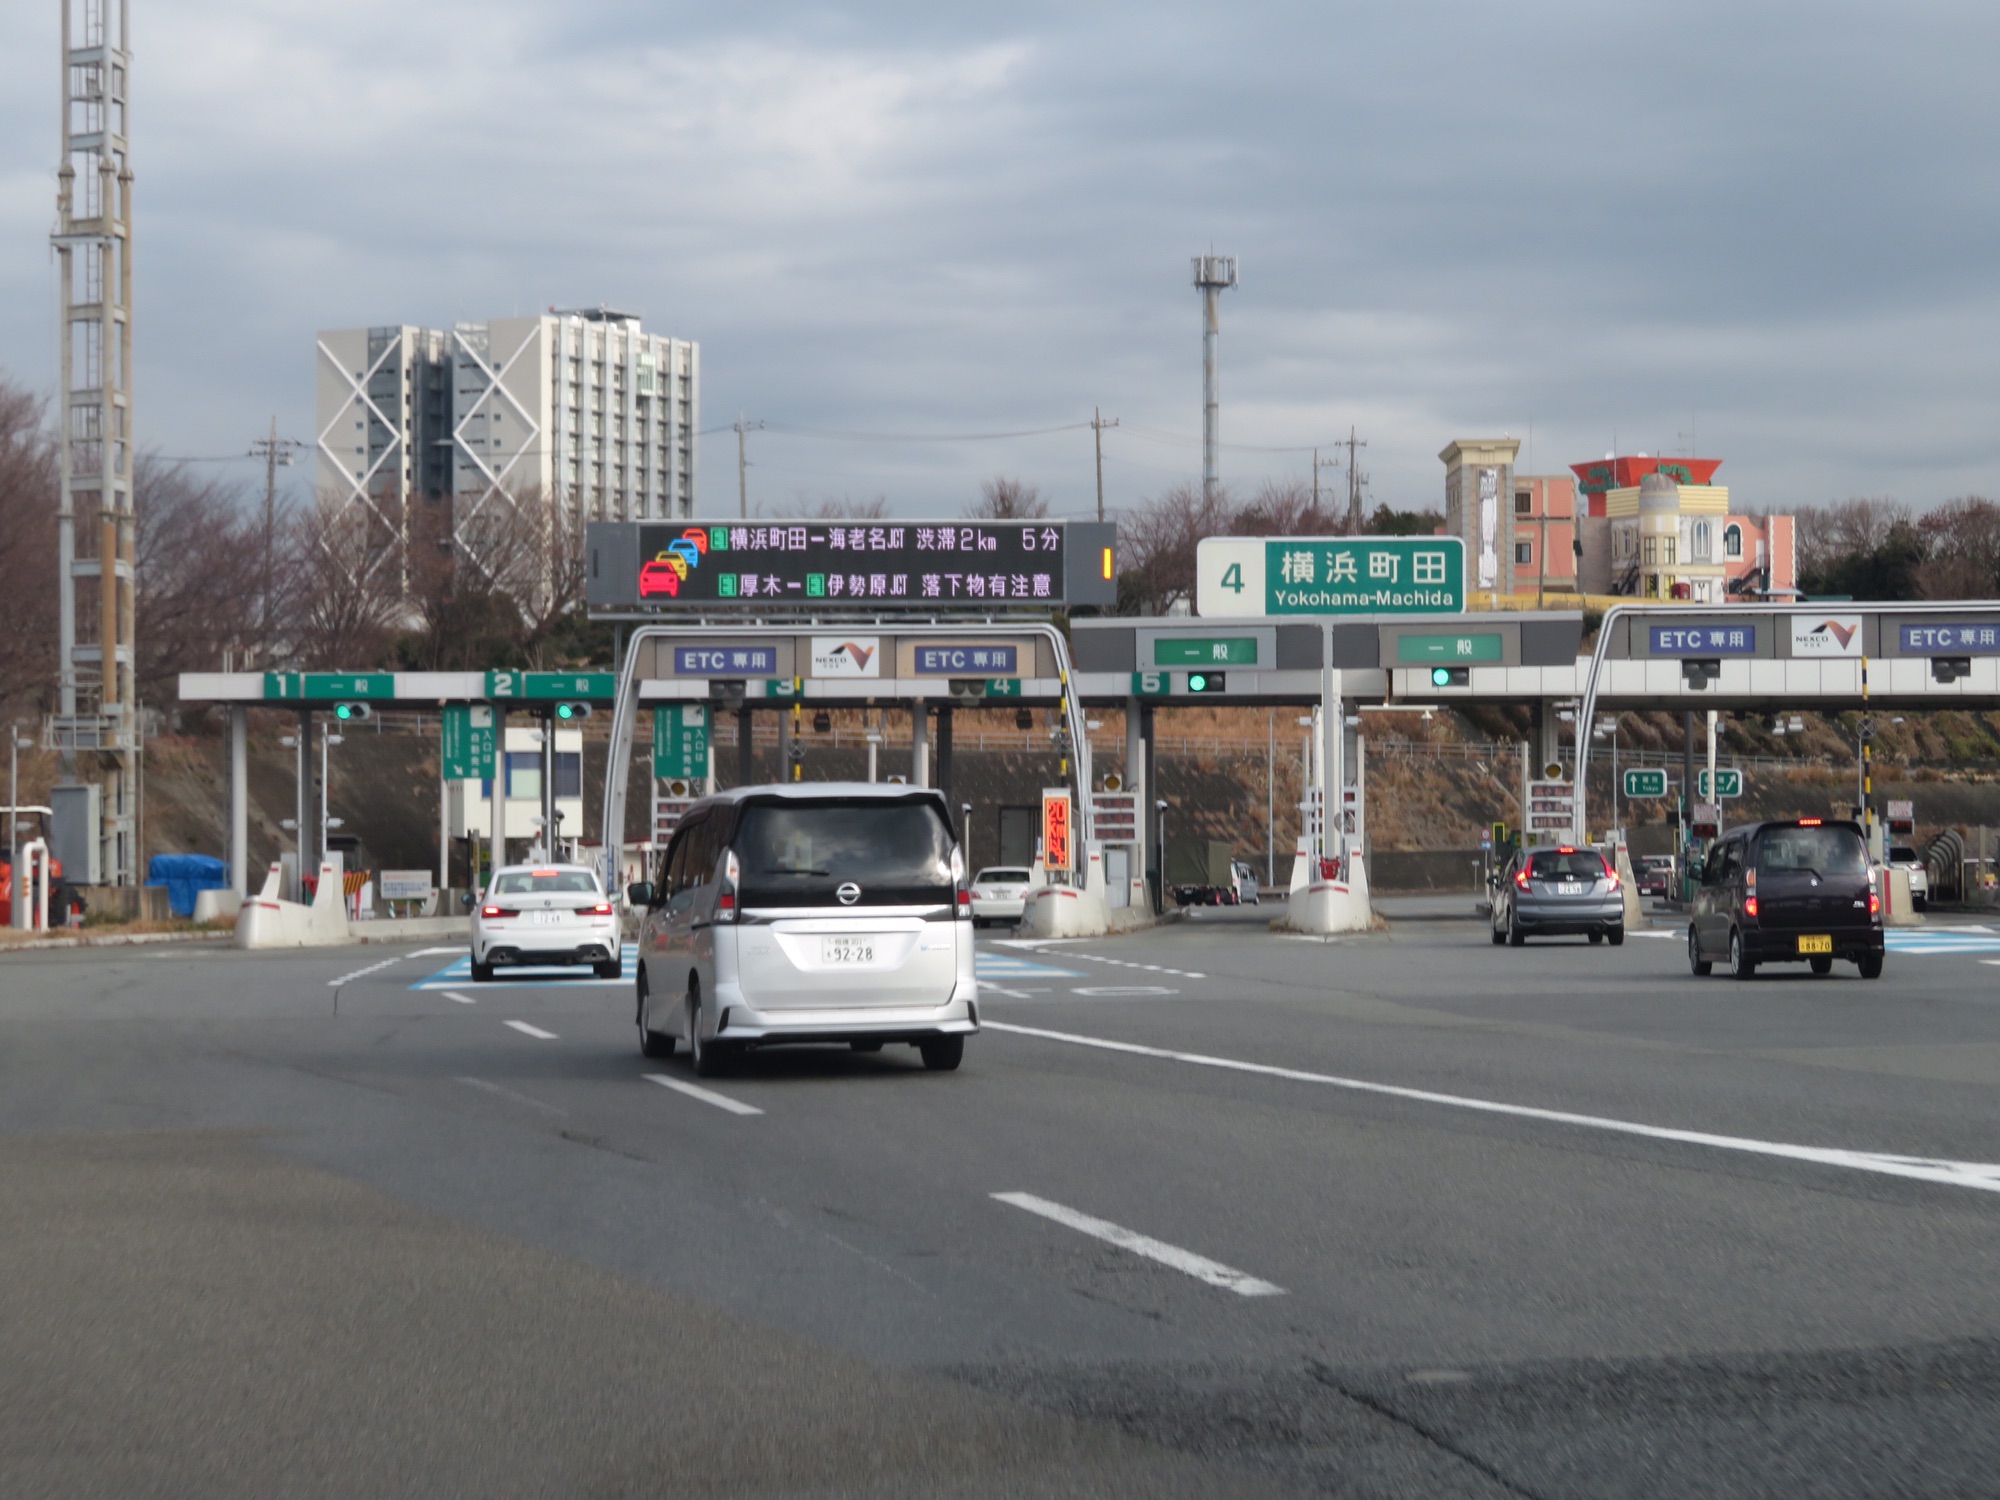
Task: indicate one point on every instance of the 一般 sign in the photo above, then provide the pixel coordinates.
(1347, 575)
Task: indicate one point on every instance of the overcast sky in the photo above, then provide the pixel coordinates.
(1768, 225)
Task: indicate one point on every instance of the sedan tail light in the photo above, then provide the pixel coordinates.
(497, 911)
(602, 909)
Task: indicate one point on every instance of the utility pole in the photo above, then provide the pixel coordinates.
(743, 429)
(1097, 426)
(1355, 480)
(274, 450)
(1318, 464)
(1213, 275)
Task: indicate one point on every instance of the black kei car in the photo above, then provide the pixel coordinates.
(1794, 891)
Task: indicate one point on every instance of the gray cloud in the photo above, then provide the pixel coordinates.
(1768, 223)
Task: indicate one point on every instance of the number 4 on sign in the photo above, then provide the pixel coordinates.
(1232, 577)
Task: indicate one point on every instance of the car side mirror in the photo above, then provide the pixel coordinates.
(465, 899)
(639, 893)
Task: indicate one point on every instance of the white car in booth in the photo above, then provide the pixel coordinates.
(1000, 894)
(545, 916)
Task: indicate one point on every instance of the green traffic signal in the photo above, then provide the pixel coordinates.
(1207, 682)
(1451, 676)
(569, 712)
(348, 711)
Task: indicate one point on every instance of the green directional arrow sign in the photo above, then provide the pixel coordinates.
(1646, 783)
(1728, 783)
(468, 741)
(680, 741)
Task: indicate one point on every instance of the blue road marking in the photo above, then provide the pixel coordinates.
(990, 965)
(1941, 940)
(459, 972)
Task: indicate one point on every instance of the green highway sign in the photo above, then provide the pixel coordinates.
(1152, 684)
(292, 687)
(1646, 783)
(1483, 646)
(468, 742)
(680, 741)
(1728, 783)
(1318, 575)
(1221, 651)
(601, 685)
(783, 687)
(1003, 687)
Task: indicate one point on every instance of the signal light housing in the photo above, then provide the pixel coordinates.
(348, 713)
(1207, 682)
(569, 713)
(1451, 676)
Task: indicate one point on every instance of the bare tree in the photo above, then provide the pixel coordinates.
(1284, 507)
(846, 508)
(29, 490)
(1158, 542)
(198, 557)
(1002, 499)
(341, 603)
(1962, 550)
(1830, 536)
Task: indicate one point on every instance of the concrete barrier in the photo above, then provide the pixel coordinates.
(1899, 908)
(268, 921)
(217, 905)
(1323, 905)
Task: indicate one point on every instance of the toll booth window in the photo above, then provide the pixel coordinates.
(1817, 851)
(524, 773)
(569, 773)
(1578, 864)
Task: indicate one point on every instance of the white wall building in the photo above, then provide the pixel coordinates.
(469, 804)
(583, 411)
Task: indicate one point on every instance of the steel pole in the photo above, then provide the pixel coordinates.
(1210, 421)
(239, 800)
(496, 805)
(302, 776)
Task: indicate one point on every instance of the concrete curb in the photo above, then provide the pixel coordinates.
(112, 940)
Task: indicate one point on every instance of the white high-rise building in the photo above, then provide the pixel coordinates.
(567, 416)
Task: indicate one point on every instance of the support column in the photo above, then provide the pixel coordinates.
(1141, 791)
(549, 787)
(1687, 802)
(496, 835)
(746, 748)
(920, 744)
(1149, 813)
(785, 743)
(944, 756)
(239, 800)
(302, 794)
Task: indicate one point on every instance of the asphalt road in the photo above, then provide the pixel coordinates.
(1208, 1211)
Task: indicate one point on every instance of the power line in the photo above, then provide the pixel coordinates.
(925, 437)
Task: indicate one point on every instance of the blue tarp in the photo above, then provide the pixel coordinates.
(183, 875)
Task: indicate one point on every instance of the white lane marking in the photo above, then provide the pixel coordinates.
(1186, 1261)
(988, 987)
(706, 1096)
(1984, 1176)
(461, 999)
(534, 1031)
(334, 984)
(494, 1088)
(433, 952)
(1121, 990)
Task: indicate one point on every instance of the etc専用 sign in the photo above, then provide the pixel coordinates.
(1365, 575)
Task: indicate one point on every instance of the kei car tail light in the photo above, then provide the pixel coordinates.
(1749, 906)
(1874, 905)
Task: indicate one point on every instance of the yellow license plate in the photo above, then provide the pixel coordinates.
(1815, 945)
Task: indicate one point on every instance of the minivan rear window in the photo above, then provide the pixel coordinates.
(1815, 850)
(800, 852)
(1578, 864)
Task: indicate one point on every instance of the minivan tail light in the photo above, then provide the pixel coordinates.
(725, 901)
(964, 899)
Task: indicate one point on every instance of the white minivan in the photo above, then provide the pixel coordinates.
(814, 912)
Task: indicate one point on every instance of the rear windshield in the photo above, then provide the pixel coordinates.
(1902, 854)
(1578, 864)
(539, 882)
(1004, 877)
(799, 853)
(1816, 851)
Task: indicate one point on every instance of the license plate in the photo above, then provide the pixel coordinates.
(841, 950)
(546, 918)
(1569, 890)
(1816, 945)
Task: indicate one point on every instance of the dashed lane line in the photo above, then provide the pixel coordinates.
(1185, 1261)
(1981, 1176)
(534, 1031)
(706, 1096)
(461, 999)
(334, 984)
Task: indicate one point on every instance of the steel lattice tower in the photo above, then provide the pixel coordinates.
(98, 714)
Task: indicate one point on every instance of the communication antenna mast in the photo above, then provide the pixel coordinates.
(1355, 480)
(1213, 275)
(96, 553)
